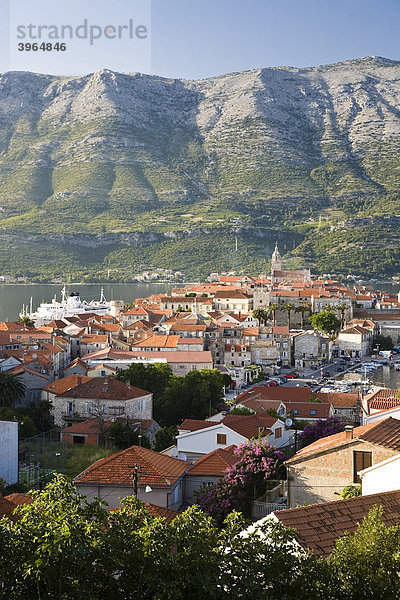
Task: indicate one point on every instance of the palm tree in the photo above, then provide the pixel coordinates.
(261, 315)
(302, 309)
(11, 389)
(27, 322)
(272, 308)
(289, 307)
(342, 307)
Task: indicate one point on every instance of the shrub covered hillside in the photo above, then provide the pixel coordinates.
(123, 171)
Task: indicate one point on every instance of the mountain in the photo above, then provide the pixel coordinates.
(127, 171)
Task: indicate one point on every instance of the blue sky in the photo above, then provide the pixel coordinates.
(201, 38)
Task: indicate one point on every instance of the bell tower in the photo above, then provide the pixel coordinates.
(276, 260)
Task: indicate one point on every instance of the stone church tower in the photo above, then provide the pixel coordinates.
(276, 261)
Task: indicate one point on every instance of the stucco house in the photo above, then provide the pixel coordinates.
(197, 437)
(9, 451)
(160, 478)
(207, 470)
(355, 341)
(381, 477)
(102, 396)
(320, 471)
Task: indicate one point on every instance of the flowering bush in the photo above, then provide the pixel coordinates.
(320, 429)
(257, 462)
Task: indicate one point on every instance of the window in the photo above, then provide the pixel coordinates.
(89, 407)
(361, 460)
(313, 412)
(278, 432)
(221, 438)
(295, 411)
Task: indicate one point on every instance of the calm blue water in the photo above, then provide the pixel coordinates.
(12, 297)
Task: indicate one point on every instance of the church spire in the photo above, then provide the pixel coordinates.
(276, 261)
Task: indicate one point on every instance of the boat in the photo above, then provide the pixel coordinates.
(70, 305)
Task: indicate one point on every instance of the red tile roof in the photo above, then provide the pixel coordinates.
(249, 426)
(19, 499)
(116, 470)
(7, 508)
(105, 388)
(66, 383)
(320, 525)
(214, 463)
(295, 394)
(383, 433)
(155, 511)
(339, 399)
(195, 424)
(94, 426)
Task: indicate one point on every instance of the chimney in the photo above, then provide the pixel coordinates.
(349, 432)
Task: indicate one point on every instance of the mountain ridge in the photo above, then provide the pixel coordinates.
(278, 152)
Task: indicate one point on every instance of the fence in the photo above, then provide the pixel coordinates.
(41, 456)
(262, 509)
(265, 505)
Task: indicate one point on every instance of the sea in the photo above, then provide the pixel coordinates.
(12, 297)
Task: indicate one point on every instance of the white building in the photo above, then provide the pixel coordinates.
(382, 477)
(197, 438)
(9, 451)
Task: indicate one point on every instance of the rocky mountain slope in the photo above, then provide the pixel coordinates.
(121, 171)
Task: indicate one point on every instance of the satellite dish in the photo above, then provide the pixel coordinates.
(148, 489)
(174, 452)
(34, 355)
(288, 422)
(182, 456)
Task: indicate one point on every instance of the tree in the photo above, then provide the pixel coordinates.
(241, 410)
(11, 389)
(272, 308)
(257, 462)
(326, 322)
(302, 309)
(366, 563)
(384, 342)
(320, 429)
(342, 307)
(165, 437)
(289, 307)
(123, 435)
(195, 396)
(27, 322)
(261, 315)
(153, 378)
(351, 491)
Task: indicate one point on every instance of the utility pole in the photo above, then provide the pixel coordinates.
(135, 479)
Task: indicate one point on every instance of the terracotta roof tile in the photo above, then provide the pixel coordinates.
(66, 383)
(320, 525)
(383, 433)
(250, 426)
(106, 388)
(155, 469)
(6, 509)
(214, 463)
(19, 499)
(195, 424)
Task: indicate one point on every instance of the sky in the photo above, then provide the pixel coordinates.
(194, 39)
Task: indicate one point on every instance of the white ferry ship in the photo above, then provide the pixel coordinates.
(70, 305)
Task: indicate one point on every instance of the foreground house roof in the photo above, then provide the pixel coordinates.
(116, 470)
(248, 426)
(320, 525)
(383, 433)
